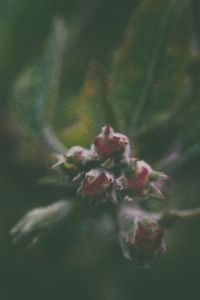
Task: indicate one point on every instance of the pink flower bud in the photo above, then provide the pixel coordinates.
(146, 239)
(139, 179)
(109, 143)
(96, 182)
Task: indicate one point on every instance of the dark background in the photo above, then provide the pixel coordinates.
(134, 64)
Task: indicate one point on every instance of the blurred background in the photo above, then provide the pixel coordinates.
(66, 69)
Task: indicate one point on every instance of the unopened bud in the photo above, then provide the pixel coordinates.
(138, 179)
(109, 143)
(78, 155)
(146, 240)
(96, 182)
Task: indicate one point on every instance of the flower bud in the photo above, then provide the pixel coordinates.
(109, 143)
(146, 240)
(96, 182)
(76, 160)
(78, 155)
(138, 179)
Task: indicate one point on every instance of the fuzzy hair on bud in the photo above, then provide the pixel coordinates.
(78, 155)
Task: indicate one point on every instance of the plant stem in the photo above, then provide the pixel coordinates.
(172, 215)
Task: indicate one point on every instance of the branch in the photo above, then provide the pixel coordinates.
(173, 215)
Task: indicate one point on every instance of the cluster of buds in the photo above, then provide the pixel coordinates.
(107, 171)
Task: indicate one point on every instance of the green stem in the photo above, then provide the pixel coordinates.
(172, 215)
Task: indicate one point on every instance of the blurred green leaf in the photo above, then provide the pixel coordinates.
(91, 109)
(150, 69)
(36, 91)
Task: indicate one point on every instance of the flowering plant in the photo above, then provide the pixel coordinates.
(109, 173)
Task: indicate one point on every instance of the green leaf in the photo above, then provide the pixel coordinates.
(90, 110)
(150, 69)
(36, 91)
